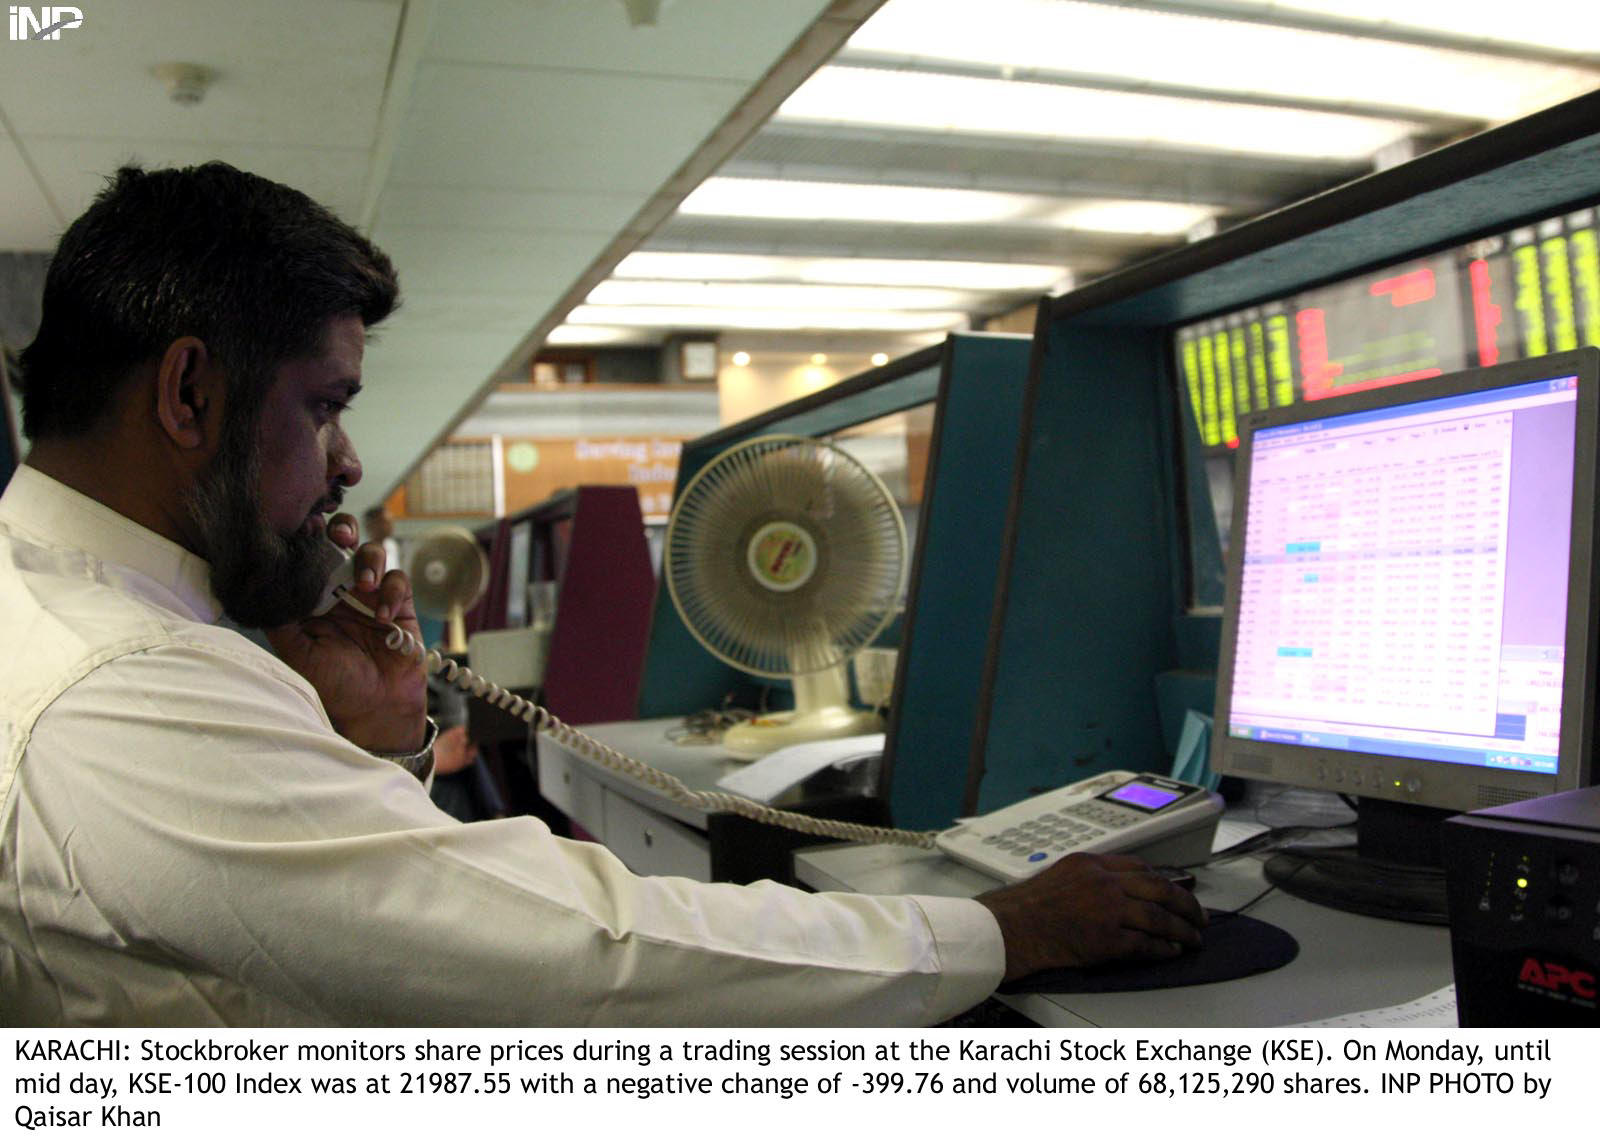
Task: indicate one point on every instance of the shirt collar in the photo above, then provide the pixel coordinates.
(52, 511)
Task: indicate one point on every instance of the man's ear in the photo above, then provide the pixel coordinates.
(189, 393)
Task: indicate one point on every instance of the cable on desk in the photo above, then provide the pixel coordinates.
(1224, 915)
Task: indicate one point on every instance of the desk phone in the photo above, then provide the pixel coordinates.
(1154, 817)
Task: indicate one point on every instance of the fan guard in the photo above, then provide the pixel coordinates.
(449, 573)
(785, 555)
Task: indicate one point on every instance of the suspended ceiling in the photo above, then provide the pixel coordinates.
(495, 148)
(1075, 137)
(509, 153)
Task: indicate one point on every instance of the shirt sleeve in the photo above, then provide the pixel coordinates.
(189, 804)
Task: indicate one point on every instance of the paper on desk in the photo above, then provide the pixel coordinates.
(1232, 832)
(777, 772)
(1431, 1011)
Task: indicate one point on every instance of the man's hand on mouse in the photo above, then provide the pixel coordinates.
(1088, 909)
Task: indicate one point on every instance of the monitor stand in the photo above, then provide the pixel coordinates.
(1396, 870)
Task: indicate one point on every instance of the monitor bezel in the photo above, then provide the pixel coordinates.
(1431, 783)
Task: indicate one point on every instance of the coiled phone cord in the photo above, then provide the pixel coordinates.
(543, 720)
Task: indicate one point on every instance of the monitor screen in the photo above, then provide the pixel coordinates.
(519, 568)
(1410, 606)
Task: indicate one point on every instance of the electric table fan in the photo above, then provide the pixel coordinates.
(785, 556)
(449, 573)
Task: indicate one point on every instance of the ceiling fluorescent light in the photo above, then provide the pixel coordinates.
(866, 202)
(1548, 24)
(953, 104)
(596, 335)
(985, 275)
(1166, 219)
(675, 266)
(695, 317)
(925, 205)
(1001, 276)
(764, 295)
(1201, 52)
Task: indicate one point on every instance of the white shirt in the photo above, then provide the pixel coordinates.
(185, 840)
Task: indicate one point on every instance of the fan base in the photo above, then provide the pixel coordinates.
(755, 738)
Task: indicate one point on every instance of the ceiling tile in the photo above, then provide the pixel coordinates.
(285, 70)
(461, 359)
(717, 39)
(27, 223)
(444, 259)
(496, 315)
(554, 130)
(593, 211)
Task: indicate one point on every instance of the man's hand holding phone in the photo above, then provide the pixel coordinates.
(375, 697)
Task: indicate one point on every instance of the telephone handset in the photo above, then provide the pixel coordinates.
(1158, 818)
(341, 577)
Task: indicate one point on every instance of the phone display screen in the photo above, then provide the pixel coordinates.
(1143, 795)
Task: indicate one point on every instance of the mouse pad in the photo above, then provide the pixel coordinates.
(1236, 946)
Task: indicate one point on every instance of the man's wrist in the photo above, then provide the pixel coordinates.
(1005, 920)
(391, 729)
(419, 762)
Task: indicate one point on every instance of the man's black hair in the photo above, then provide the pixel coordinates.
(251, 267)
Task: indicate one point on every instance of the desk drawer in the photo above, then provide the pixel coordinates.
(562, 781)
(651, 844)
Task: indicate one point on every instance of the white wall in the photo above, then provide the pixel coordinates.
(783, 370)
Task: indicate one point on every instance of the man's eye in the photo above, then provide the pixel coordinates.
(331, 408)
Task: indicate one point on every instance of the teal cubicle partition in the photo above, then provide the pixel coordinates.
(1092, 605)
(975, 382)
(970, 466)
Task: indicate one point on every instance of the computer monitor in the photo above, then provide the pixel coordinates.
(1410, 610)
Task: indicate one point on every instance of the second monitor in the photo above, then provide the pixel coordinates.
(1411, 608)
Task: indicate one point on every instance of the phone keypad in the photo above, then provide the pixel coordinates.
(1104, 814)
(1050, 833)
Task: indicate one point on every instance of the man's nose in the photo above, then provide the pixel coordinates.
(344, 465)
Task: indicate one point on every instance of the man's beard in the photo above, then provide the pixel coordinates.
(261, 578)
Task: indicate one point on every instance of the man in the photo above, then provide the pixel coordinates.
(198, 832)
